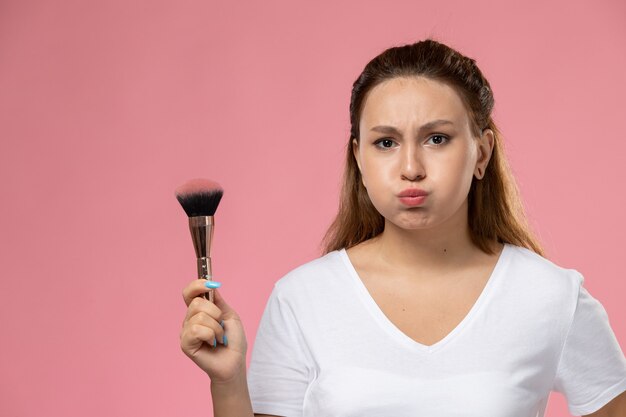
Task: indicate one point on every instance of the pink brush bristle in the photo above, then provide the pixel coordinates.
(199, 197)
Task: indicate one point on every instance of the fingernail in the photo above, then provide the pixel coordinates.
(222, 323)
(215, 342)
(212, 284)
(225, 341)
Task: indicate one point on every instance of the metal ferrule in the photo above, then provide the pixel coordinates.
(201, 228)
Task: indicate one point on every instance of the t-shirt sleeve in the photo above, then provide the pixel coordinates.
(592, 368)
(280, 368)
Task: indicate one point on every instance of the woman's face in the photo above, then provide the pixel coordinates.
(403, 147)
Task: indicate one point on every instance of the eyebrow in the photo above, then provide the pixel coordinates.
(429, 125)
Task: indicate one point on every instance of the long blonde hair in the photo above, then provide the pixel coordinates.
(495, 209)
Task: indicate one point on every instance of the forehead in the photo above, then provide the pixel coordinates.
(404, 100)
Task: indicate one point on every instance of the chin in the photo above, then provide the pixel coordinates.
(412, 224)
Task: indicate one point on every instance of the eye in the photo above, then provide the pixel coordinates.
(384, 143)
(440, 139)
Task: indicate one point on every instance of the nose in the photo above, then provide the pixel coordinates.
(412, 167)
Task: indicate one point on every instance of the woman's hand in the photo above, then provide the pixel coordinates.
(201, 328)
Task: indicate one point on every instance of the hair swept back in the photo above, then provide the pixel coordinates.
(495, 209)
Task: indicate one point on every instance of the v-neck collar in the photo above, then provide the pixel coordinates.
(398, 334)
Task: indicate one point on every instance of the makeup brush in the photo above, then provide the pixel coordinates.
(200, 198)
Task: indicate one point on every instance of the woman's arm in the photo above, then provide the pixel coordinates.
(614, 408)
(232, 399)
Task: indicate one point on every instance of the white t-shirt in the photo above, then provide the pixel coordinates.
(324, 348)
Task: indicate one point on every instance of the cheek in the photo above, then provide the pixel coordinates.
(456, 168)
(379, 183)
(376, 173)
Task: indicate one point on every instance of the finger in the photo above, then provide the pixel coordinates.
(221, 304)
(194, 335)
(194, 289)
(204, 319)
(227, 311)
(199, 304)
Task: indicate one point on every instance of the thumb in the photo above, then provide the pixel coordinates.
(227, 310)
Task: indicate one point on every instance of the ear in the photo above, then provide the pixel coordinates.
(355, 152)
(357, 157)
(485, 148)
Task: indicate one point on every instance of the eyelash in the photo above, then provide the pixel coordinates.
(433, 136)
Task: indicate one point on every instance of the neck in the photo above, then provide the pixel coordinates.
(446, 247)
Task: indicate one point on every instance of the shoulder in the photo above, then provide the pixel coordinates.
(533, 263)
(316, 273)
(539, 274)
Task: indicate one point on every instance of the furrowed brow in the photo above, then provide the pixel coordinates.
(429, 125)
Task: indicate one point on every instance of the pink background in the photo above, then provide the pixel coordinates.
(106, 107)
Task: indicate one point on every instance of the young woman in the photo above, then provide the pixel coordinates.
(432, 297)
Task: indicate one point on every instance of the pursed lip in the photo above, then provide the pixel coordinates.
(412, 192)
